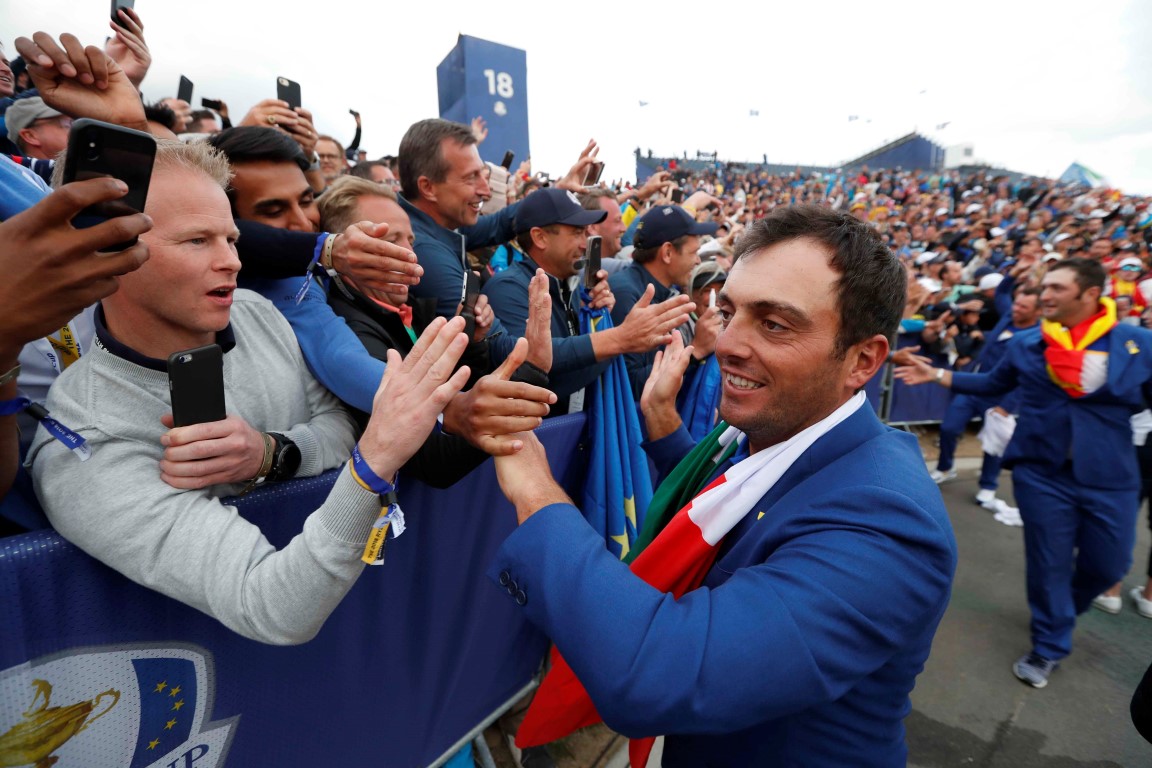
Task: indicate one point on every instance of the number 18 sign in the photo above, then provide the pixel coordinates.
(479, 78)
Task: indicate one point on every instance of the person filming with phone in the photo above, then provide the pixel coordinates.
(187, 544)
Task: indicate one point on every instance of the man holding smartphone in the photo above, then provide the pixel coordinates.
(551, 227)
(185, 543)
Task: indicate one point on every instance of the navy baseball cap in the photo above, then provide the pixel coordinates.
(667, 223)
(549, 206)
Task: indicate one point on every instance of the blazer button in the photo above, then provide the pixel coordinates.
(505, 577)
(512, 587)
(521, 598)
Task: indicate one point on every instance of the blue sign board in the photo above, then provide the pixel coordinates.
(479, 78)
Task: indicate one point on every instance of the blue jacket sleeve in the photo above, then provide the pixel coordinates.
(1002, 299)
(668, 451)
(793, 632)
(272, 252)
(491, 229)
(334, 354)
(1001, 380)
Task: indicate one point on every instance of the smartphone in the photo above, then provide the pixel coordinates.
(184, 92)
(677, 195)
(215, 104)
(289, 91)
(592, 175)
(468, 306)
(592, 260)
(98, 150)
(196, 385)
(116, 6)
(509, 156)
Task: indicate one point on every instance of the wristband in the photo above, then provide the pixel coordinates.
(265, 465)
(366, 477)
(321, 240)
(15, 405)
(326, 258)
(391, 516)
(939, 375)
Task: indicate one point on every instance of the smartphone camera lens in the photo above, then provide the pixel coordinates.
(185, 358)
(93, 150)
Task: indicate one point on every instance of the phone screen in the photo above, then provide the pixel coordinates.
(289, 91)
(592, 260)
(592, 175)
(117, 5)
(98, 150)
(184, 92)
(468, 305)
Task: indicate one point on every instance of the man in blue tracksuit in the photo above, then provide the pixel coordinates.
(1081, 376)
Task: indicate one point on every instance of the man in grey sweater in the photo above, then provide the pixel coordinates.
(147, 501)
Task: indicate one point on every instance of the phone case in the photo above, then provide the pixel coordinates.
(196, 385)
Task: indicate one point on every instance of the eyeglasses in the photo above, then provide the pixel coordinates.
(327, 157)
(394, 183)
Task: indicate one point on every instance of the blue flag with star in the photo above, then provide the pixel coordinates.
(619, 486)
(700, 398)
(167, 703)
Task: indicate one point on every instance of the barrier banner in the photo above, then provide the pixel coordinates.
(96, 670)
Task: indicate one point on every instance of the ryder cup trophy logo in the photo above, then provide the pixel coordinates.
(113, 706)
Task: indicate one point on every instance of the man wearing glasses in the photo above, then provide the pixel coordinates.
(38, 130)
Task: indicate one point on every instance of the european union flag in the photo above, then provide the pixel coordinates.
(167, 703)
(619, 487)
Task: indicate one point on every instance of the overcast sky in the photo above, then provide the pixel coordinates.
(1032, 86)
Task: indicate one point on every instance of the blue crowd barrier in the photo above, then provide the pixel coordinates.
(918, 404)
(421, 651)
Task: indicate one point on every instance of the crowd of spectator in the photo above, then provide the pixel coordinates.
(351, 264)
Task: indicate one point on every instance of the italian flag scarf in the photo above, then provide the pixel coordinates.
(1070, 365)
(675, 553)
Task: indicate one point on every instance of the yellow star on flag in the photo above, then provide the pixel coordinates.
(169, 724)
(175, 691)
(160, 687)
(178, 704)
(622, 540)
(152, 744)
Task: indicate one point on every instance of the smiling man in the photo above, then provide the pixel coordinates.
(147, 500)
(822, 552)
(1081, 376)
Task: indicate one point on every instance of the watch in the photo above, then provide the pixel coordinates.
(285, 459)
(939, 375)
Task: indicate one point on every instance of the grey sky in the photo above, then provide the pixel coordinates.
(1033, 86)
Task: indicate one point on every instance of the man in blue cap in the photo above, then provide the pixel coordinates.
(550, 229)
(667, 249)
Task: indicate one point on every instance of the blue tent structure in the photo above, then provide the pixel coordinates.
(1079, 174)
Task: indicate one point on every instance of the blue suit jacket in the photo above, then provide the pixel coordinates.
(803, 643)
(1052, 428)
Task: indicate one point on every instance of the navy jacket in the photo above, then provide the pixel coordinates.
(803, 643)
(574, 364)
(1092, 432)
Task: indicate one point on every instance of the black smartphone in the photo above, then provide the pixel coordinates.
(677, 195)
(592, 175)
(116, 6)
(289, 91)
(592, 260)
(509, 156)
(184, 92)
(215, 104)
(196, 385)
(468, 306)
(98, 150)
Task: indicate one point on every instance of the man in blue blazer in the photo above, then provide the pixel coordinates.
(1080, 377)
(804, 640)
